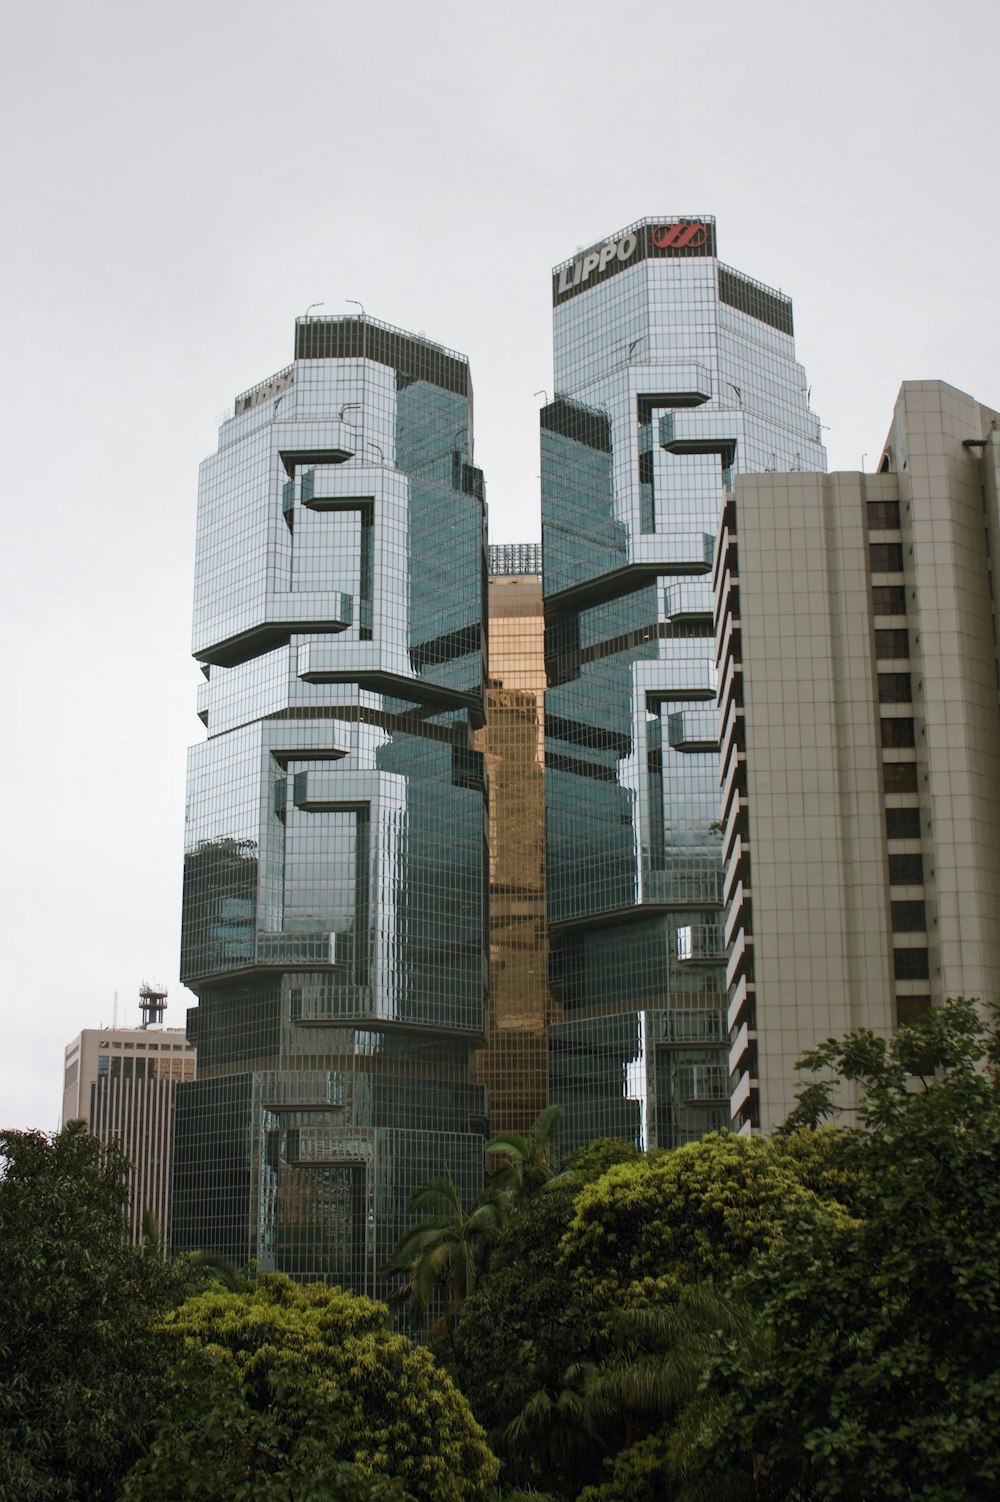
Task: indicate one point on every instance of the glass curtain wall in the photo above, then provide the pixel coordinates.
(335, 895)
(673, 374)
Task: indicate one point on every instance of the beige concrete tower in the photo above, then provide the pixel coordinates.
(122, 1081)
(861, 743)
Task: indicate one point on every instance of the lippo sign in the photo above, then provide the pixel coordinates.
(676, 237)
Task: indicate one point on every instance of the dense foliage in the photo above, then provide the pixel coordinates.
(317, 1372)
(79, 1376)
(650, 1230)
(815, 1316)
(806, 1319)
(878, 1377)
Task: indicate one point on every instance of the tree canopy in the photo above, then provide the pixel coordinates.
(304, 1377)
(79, 1376)
(878, 1377)
(651, 1229)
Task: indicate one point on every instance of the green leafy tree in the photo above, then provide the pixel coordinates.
(275, 1437)
(647, 1231)
(526, 1494)
(79, 1376)
(878, 1375)
(306, 1373)
(586, 1164)
(608, 1295)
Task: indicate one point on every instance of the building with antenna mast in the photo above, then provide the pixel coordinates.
(122, 1081)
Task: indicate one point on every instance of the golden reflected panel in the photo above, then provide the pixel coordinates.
(513, 1065)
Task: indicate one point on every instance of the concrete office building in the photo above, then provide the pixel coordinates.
(123, 1081)
(858, 686)
(334, 922)
(513, 1064)
(674, 374)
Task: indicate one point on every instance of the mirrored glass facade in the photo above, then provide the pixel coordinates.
(673, 374)
(513, 1065)
(336, 869)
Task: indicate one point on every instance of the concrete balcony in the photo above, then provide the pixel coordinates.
(691, 600)
(694, 730)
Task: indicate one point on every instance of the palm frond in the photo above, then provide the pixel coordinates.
(512, 1144)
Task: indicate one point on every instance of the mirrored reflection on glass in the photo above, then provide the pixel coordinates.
(673, 374)
(335, 897)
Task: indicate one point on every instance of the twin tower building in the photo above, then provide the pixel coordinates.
(724, 780)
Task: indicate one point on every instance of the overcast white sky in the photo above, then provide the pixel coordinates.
(181, 179)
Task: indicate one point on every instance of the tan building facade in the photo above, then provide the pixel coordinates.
(513, 1065)
(860, 729)
(122, 1082)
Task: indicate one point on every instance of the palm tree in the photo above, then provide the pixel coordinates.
(528, 1167)
(446, 1250)
(655, 1376)
(555, 1431)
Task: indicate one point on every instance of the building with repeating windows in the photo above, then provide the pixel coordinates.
(123, 1082)
(335, 898)
(674, 374)
(858, 685)
(513, 1064)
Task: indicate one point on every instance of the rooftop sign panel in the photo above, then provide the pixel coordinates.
(648, 240)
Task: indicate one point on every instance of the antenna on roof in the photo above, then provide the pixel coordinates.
(152, 1003)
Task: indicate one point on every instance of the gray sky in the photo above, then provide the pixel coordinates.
(181, 179)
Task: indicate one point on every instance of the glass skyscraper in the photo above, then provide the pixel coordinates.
(673, 374)
(336, 869)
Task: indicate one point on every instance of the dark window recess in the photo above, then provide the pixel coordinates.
(894, 688)
(900, 776)
(646, 468)
(682, 630)
(902, 823)
(909, 917)
(579, 768)
(460, 643)
(911, 964)
(468, 769)
(361, 339)
(750, 297)
(906, 870)
(648, 402)
(582, 424)
(886, 557)
(898, 733)
(910, 1009)
(883, 516)
(894, 642)
(888, 599)
(596, 737)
